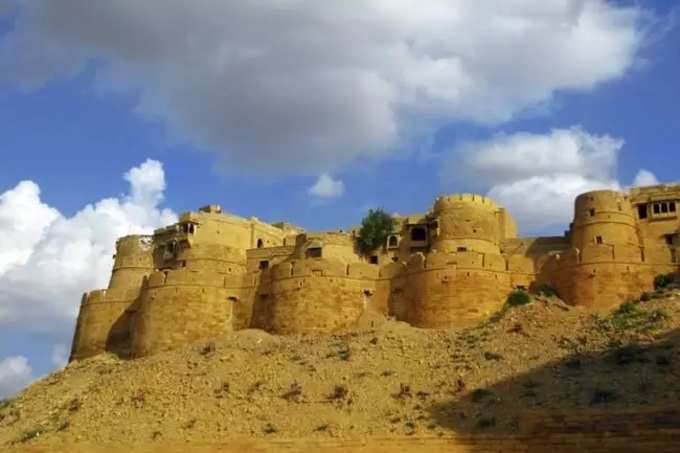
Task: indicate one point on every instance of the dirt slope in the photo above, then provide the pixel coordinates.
(385, 379)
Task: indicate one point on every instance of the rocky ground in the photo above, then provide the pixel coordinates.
(384, 379)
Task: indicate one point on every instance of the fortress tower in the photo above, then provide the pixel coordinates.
(466, 222)
(603, 217)
(464, 277)
(105, 315)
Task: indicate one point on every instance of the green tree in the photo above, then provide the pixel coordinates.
(375, 228)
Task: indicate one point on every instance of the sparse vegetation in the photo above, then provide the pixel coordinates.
(293, 393)
(375, 228)
(479, 395)
(30, 435)
(486, 423)
(545, 289)
(518, 297)
(629, 354)
(269, 429)
(404, 391)
(663, 281)
(629, 316)
(492, 356)
(340, 392)
(601, 396)
(5, 403)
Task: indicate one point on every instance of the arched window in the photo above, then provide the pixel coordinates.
(393, 242)
(260, 244)
(418, 234)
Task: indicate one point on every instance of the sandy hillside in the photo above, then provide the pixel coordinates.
(384, 379)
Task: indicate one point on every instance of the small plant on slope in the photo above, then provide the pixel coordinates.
(518, 297)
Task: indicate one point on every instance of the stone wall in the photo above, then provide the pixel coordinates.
(104, 318)
(104, 323)
(467, 221)
(604, 276)
(180, 307)
(313, 295)
(451, 289)
(213, 272)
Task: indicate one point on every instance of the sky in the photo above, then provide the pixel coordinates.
(117, 116)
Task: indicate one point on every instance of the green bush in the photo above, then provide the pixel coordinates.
(664, 280)
(518, 297)
(645, 297)
(375, 228)
(545, 289)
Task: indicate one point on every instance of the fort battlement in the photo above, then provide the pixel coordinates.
(483, 202)
(213, 272)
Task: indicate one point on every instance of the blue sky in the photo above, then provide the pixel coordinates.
(97, 111)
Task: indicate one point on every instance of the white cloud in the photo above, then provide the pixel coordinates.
(645, 178)
(15, 374)
(66, 256)
(305, 85)
(327, 187)
(538, 176)
(59, 355)
(24, 220)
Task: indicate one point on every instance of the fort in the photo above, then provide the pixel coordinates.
(454, 266)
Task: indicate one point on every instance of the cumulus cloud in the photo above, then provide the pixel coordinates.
(59, 355)
(316, 83)
(645, 178)
(59, 258)
(537, 176)
(327, 187)
(24, 220)
(15, 374)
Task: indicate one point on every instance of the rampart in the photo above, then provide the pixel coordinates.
(603, 276)
(104, 319)
(454, 266)
(313, 295)
(453, 289)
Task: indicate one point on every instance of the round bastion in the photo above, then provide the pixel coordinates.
(603, 217)
(466, 222)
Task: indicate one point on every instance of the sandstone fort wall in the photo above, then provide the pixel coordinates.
(454, 266)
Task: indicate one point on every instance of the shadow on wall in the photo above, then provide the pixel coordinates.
(618, 398)
(119, 339)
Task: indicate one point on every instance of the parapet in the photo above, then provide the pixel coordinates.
(446, 201)
(323, 267)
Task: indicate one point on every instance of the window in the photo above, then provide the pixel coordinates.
(664, 208)
(260, 244)
(669, 239)
(373, 259)
(671, 206)
(599, 240)
(314, 252)
(393, 242)
(418, 234)
(592, 212)
(642, 211)
(657, 208)
(264, 265)
(462, 249)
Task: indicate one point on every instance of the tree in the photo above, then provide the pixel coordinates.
(375, 228)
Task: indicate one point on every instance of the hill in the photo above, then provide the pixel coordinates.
(382, 380)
